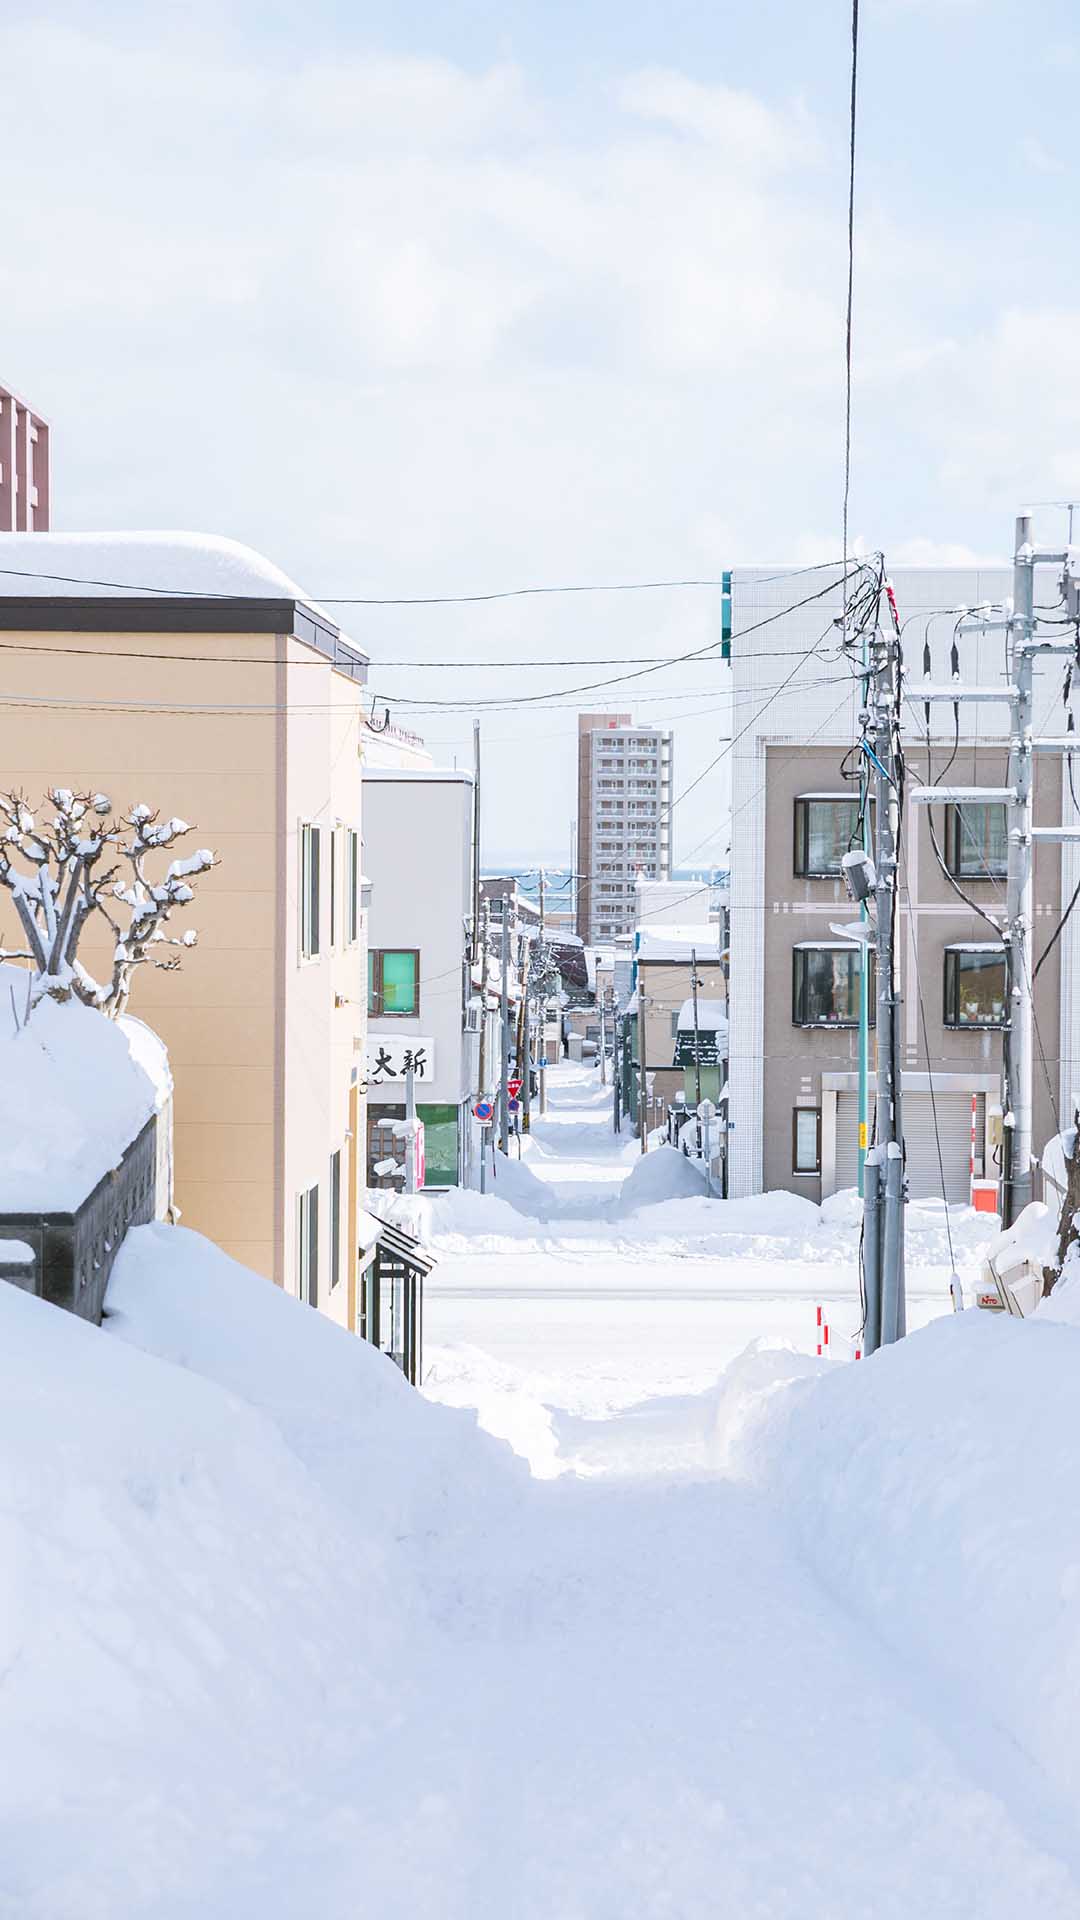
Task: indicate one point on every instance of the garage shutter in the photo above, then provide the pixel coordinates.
(924, 1177)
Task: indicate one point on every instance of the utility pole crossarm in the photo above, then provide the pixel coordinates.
(1055, 833)
(960, 796)
(952, 690)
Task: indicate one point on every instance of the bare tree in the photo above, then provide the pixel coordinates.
(83, 859)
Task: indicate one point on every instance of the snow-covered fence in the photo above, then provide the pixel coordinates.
(71, 1254)
(79, 860)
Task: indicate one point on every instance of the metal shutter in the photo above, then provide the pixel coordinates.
(924, 1176)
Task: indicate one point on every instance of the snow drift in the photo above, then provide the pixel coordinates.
(933, 1488)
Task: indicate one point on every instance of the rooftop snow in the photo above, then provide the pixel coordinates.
(427, 774)
(103, 564)
(677, 942)
(711, 1016)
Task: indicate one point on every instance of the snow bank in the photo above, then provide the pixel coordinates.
(663, 1174)
(75, 1090)
(934, 1490)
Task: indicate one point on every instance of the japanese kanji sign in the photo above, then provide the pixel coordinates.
(390, 1056)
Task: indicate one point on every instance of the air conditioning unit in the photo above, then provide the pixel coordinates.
(473, 1017)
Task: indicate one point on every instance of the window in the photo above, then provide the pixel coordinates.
(394, 981)
(352, 886)
(824, 830)
(310, 838)
(335, 1218)
(825, 986)
(806, 1140)
(977, 841)
(307, 1247)
(335, 840)
(975, 991)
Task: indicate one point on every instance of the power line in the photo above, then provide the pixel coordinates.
(851, 272)
(392, 600)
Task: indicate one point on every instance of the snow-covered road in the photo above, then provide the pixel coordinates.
(568, 1302)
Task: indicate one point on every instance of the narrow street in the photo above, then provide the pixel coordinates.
(567, 1305)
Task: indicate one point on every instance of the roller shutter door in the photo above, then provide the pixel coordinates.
(924, 1176)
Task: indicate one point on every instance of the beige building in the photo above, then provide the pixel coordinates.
(795, 980)
(208, 686)
(664, 983)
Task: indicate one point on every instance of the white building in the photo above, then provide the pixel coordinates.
(418, 827)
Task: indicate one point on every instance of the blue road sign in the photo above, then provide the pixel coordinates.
(483, 1110)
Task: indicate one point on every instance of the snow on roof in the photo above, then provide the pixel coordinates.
(75, 1090)
(711, 1016)
(830, 795)
(975, 946)
(99, 564)
(429, 774)
(678, 942)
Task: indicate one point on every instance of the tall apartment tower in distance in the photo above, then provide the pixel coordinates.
(624, 819)
(24, 467)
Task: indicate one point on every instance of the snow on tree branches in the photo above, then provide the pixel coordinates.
(73, 857)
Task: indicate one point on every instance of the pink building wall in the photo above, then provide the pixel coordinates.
(24, 467)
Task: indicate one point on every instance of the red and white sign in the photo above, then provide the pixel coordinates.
(513, 1088)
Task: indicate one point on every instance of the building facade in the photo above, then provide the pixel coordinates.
(24, 467)
(795, 980)
(418, 828)
(214, 690)
(623, 819)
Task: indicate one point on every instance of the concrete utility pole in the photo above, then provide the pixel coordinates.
(697, 1039)
(410, 1133)
(476, 836)
(485, 936)
(543, 1009)
(643, 1085)
(883, 1181)
(603, 1046)
(504, 1030)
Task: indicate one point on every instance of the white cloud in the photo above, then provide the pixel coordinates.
(758, 136)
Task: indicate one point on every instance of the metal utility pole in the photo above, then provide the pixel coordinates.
(864, 950)
(543, 1009)
(1019, 898)
(697, 1040)
(504, 1029)
(603, 1046)
(1018, 623)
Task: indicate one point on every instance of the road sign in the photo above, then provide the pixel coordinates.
(513, 1088)
(542, 1063)
(483, 1110)
(706, 1111)
(513, 1106)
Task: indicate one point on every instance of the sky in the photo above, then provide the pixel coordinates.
(425, 300)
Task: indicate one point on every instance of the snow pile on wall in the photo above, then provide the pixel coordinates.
(933, 1488)
(75, 1090)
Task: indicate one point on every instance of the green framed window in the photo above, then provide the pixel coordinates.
(440, 1144)
(393, 980)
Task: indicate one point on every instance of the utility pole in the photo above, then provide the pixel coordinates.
(504, 1029)
(603, 1046)
(543, 1008)
(1018, 623)
(410, 1131)
(485, 931)
(1019, 1052)
(697, 1041)
(476, 835)
(883, 1173)
(643, 1085)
